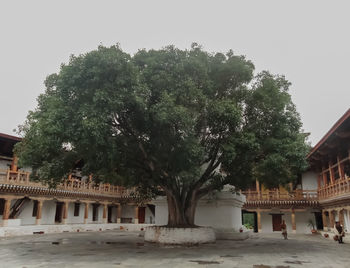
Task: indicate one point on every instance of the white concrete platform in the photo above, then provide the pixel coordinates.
(64, 228)
(179, 236)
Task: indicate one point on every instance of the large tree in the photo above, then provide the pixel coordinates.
(183, 121)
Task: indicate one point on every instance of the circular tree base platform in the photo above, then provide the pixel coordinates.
(180, 236)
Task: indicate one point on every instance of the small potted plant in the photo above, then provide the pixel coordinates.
(311, 224)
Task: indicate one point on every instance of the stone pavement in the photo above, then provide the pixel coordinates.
(127, 249)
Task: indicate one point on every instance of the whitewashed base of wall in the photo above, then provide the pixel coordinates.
(231, 234)
(61, 228)
(180, 236)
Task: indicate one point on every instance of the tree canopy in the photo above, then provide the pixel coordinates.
(187, 121)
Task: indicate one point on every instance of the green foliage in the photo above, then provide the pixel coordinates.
(168, 118)
(248, 220)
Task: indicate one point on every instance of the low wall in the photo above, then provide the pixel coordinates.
(61, 228)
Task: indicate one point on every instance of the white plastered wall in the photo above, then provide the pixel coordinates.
(149, 217)
(309, 180)
(301, 220)
(128, 212)
(26, 214)
(224, 212)
(48, 212)
(75, 219)
(5, 164)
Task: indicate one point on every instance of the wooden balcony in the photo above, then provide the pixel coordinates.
(299, 199)
(340, 187)
(21, 178)
(276, 195)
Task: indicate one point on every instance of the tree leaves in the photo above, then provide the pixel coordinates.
(165, 117)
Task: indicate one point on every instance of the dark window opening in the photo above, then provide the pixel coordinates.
(59, 210)
(35, 208)
(2, 206)
(95, 212)
(76, 209)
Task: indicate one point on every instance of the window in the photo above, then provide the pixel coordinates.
(2, 205)
(35, 208)
(76, 209)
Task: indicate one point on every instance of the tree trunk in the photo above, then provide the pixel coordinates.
(181, 213)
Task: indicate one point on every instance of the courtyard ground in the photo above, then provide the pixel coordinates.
(127, 249)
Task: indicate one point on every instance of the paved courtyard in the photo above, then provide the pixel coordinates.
(127, 249)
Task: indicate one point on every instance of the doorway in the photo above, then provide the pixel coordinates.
(109, 216)
(276, 222)
(319, 220)
(249, 220)
(142, 213)
(59, 212)
(95, 212)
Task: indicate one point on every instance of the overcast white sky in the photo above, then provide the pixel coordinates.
(307, 41)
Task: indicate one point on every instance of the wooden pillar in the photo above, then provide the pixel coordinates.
(136, 220)
(86, 213)
(14, 163)
(65, 212)
(258, 215)
(319, 179)
(324, 177)
(6, 213)
(331, 173)
(257, 187)
(331, 219)
(324, 220)
(39, 212)
(294, 225)
(119, 213)
(105, 212)
(341, 217)
(340, 169)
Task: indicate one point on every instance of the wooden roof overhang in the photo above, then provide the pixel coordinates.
(284, 204)
(32, 191)
(7, 142)
(335, 142)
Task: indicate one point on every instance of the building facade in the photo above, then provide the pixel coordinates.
(330, 160)
(320, 199)
(297, 207)
(76, 201)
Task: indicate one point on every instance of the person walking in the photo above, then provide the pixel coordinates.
(339, 232)
(284, 230)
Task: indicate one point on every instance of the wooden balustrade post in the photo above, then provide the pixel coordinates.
(39, 212)
(6, 212)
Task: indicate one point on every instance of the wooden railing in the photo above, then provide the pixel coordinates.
(276, 195)
(337, 188)
(71, 184)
